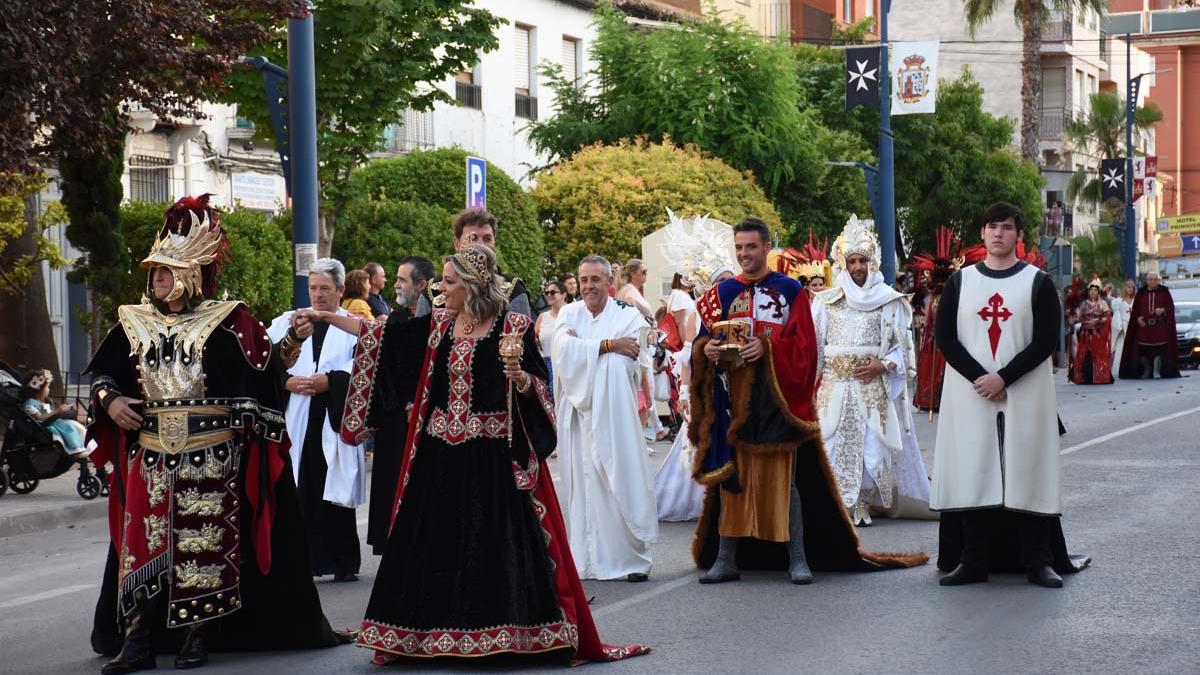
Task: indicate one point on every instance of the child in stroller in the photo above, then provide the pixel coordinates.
(41, 441)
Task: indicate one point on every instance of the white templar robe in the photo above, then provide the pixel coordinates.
(346, 478)
(868, 427)
(606, 487)
(998, 453)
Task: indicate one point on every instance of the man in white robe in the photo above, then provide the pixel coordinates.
(864, 353)
(330, 474)
(606, 486)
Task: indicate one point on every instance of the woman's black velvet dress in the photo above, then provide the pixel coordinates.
(466, 560)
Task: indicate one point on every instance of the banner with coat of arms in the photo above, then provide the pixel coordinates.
(914, 77)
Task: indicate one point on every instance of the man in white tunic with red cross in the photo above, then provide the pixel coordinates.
(997, 473)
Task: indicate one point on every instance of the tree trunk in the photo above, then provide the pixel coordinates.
(27, 340)
(1031, 79)
(325, 229)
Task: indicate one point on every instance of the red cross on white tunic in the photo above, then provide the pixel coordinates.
(996, 313)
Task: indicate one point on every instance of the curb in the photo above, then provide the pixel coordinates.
(49, 519)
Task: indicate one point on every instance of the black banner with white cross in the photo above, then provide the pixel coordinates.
(1112, 179)
(862, 77)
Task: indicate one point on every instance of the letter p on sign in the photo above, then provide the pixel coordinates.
(476, 182)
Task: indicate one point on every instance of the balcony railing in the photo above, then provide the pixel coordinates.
(526, 106)
(1058, 29)
(1172, 20)
(1054, 123)
(413, 132)
(468, 95)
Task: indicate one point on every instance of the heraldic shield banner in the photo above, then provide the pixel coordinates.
(914, 77)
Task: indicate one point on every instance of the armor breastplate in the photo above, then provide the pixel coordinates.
(168, 347)
(851, 328)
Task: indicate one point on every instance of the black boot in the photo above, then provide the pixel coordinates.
(136, 653)
(1045, 576)
(964, 574)
(194, 653)
(725, 566)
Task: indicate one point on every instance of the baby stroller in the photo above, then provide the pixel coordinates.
(31, 453)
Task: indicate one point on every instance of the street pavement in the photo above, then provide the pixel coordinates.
(1131, 468)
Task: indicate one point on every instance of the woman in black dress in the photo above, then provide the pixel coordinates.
(477, 561)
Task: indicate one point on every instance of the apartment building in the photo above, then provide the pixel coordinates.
(1077, 60)
(1169, 32)
(798, 20)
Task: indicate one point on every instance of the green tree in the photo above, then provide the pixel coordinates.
(1098, 253)
(375, 58)
(949, 165)
(717, 85)
(71, 70)
(1031, 16)
(1100, 135)
(24, 246)
(606, 198)
(421, 191)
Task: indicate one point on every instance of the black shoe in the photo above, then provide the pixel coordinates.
(963, 575)
(121, 665)
(342, 577)
(193, 654)
(136, 651)
(637, 577)
(1046, 577)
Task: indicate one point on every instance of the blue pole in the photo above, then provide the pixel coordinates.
(1130, 104)
(885, 219)
(302, 99)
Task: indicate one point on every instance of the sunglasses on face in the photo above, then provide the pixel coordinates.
(550, 293)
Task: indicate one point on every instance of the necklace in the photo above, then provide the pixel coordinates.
(468, 326)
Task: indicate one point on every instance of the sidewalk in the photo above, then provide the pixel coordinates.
(54, 503)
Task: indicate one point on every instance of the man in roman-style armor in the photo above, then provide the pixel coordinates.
(207, 546)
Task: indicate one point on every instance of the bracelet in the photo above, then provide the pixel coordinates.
(524, 389)
(604, 347)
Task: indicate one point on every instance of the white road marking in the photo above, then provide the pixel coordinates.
(646, 595)
(46, 595)
(1137, 427)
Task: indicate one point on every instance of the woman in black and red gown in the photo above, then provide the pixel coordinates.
(1093, 357)
(477, 561)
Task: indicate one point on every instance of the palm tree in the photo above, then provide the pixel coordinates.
(1030, 16)
(1098, 254)
(1101, 135)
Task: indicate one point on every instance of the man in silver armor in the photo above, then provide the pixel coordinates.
(865, 355)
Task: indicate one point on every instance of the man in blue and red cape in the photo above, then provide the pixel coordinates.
(772, 500)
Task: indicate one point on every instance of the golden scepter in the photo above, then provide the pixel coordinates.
(511, 349)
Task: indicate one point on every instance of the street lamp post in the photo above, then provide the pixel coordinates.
(885, 216)
(1133, 85)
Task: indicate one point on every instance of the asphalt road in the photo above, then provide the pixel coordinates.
(1132, 467)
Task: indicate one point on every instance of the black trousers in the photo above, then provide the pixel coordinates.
(980, 526)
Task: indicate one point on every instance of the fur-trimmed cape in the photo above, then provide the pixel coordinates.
(830, 540)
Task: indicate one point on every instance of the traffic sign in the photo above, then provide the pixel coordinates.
(476, 183)
(1169, 245)
(1191, 243)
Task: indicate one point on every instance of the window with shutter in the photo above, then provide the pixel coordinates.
(570, 55)
(521, 49)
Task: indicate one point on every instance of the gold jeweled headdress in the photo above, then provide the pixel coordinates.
(475, 260)
(857, 237)
(185, 255)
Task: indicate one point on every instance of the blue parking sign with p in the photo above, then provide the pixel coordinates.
(476, 183)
